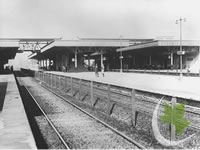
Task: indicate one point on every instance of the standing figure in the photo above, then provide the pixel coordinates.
(96, 70)
(63, 68)
(102, 70)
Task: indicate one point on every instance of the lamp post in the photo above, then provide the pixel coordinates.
(121, 57)
(181, 52)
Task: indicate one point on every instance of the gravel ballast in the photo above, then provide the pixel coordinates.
(79, 130)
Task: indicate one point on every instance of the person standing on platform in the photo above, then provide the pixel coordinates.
(102, 70)
(63, 68)
(96, 70)
(66, 68)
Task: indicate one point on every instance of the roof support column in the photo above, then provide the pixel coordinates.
(171, 60)
(46, 64)
(150, 60)
(121, 56)
(101, 60)
(89, 60)
(38, 64)
(76, 58)
(42, 64)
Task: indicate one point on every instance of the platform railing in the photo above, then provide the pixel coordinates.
(173, 72)
(134, 100)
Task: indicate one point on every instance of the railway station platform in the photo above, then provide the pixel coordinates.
(186, 87)
(15, 131)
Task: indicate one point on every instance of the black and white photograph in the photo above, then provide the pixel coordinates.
(99, 74)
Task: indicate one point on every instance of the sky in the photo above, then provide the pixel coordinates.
(71, 19)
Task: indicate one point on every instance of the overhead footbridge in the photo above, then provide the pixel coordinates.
(8, 50)
(10, 46)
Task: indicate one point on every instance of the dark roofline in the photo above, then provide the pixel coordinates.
(116, 39)
(29, 39)
(158, 43)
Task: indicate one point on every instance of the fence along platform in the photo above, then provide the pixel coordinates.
(132, 99)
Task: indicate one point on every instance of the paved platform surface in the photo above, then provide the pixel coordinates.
(187, 87)
(15, 132)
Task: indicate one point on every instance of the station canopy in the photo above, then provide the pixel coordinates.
(87, 45)
(161, 43)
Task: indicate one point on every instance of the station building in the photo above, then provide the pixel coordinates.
(83, 54)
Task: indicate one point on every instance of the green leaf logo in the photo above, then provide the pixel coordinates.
(175, 116)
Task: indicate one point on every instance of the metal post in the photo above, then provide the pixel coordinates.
(55, 81)
(171, 59)
(181, 57)
(101, 61)
(89, 60)
(109, 94)
(121, 57)
(133, 100)
(65, 83)
(173, 128)
(181, 50)
(45, 64)
(91, 93)
(75, 59)
(51, 80)
(60, 82)
(149, 60)
(79, 89)
(71, 86)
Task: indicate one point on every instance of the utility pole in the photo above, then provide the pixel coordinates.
(181, 52)
(121, 57)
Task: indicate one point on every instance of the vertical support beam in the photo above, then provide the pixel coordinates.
(60, 82)
(46, 64)
(75, 58)
(47, 76)
(149, 60)
(38, 64)
(173, 128)
(71, 86)
(109, 95)
(56, 81)
(43, 76)
(110, 104)
(171, 60)
(134, 60)
(88, 59)
(133, 100)
(49, 64)
(42, 64)
(51, 81)
(80, 89)
(121, 56)
(101, 60)
(65, 83)
(91, 93)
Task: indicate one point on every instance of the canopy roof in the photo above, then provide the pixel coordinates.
(161, 43)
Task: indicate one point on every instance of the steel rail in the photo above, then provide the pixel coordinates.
(49, 121)
(98, 120)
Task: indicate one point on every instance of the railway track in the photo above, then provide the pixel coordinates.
(94, 96)
(49, 121)
(100, 121)
(109, 130)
